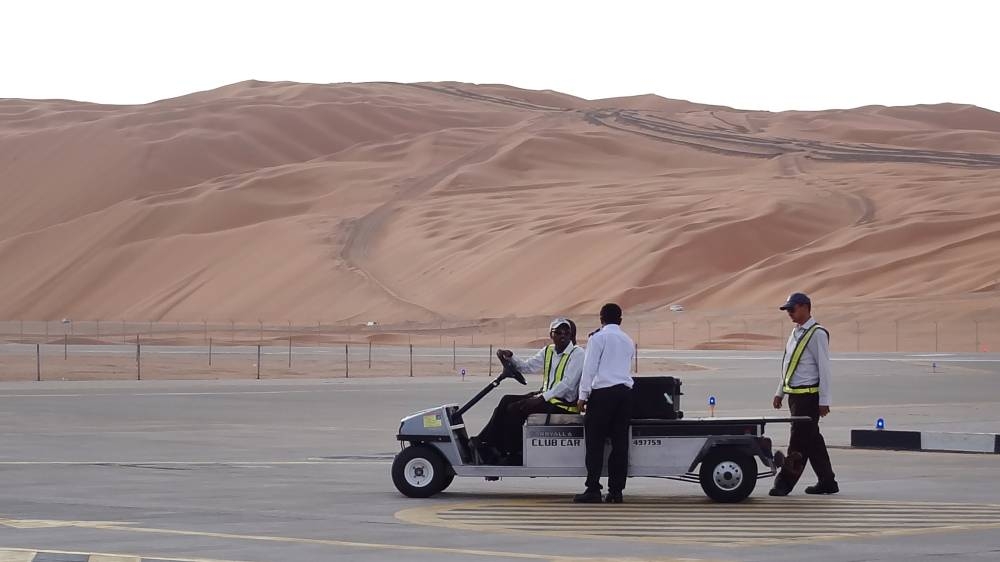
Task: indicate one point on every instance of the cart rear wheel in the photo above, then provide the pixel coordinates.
(728, 475)
(419, 471)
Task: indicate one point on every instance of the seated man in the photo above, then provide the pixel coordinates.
(561, 365)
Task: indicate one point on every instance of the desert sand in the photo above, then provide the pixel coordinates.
(446, 202)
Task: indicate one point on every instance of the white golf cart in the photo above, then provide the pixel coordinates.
(721, 454)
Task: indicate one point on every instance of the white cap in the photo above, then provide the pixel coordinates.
(559, 322)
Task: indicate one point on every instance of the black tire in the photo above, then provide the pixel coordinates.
(419, 471)
(728, 475)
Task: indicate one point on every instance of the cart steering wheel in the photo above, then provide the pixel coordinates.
(511, 372)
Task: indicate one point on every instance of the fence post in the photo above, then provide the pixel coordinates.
(209, 352)
(347, 360)
(369, 354)
(454, 357)
(65, 346)
(637, 359)
(258, 361)
(673, 335)
(491, 360)
(138, 359)
(38, 362)
(411, 359)
(289, 352)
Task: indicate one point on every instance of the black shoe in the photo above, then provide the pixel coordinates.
(590, 496)
(614, 497)
(830, 487)
(779, 491)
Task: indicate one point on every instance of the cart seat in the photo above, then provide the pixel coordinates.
(555, 419)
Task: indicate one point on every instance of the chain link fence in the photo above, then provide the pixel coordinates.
(108, 350)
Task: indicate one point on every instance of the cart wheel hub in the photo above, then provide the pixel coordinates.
(727, 475)
(418, 473)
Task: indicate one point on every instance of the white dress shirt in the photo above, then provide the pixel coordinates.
(568, 387)
(814, 365)
(609, 360)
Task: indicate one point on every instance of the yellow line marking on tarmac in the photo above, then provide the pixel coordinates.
(113, 558)
(699, 521)
(463, 552)
(233, 464)
(11, 555)
(28, 555)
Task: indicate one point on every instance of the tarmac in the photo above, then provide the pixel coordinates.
(298, 470)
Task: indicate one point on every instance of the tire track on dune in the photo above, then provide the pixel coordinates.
(790, 165)
(365, 230)
(458, 92)
(736, 144)
(739, 143)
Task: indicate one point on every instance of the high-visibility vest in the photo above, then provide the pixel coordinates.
(793, 363)
(550, 381)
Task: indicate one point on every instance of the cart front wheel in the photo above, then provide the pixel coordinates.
(419, 471)
(728, 475)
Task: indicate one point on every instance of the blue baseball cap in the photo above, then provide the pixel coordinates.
(794, 299)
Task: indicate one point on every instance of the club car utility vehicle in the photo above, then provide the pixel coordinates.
(719, 453)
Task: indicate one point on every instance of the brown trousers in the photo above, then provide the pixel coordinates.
(807, 441)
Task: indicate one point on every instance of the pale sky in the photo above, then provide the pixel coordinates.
(750, 54)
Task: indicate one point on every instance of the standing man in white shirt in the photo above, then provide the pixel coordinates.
(606, 400)
(805, 378)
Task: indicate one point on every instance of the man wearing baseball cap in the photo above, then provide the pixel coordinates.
(805, 378)
(561, 364)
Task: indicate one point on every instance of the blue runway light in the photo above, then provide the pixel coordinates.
(880, 423)
(711, 401)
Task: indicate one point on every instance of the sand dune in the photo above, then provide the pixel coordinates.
(454, 201)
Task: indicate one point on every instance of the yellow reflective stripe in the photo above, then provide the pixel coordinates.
(561, 367)
(560, 370)
(806, 390)
(568, 407)
(547, 366)
(793, 363)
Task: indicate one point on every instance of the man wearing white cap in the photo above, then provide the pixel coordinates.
(805, 378)
(561, 365)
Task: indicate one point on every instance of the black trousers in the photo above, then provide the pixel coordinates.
(807, 441)
(609, 411)
(503, 431)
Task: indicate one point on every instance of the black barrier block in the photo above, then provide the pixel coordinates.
(883, 439)
(996, 444)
